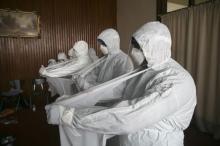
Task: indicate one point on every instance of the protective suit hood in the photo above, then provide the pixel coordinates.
(62, 56)
(81, 48)
(112, 40)
(155, 40)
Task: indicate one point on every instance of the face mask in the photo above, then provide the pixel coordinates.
(137, 56)
(104, 49)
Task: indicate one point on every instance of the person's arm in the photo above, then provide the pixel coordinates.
(67, 69)
(161, 100)
(44, 70)
(90, 79)
(122, 66)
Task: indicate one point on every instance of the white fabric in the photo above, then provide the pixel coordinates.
(156, 105)
(68, 86)
(112, 40)
(155, 40)
(61, 57)
(61, 86)
(70, 66)
(79, 49)
(53, 117)
(114, 64)
(93, 55)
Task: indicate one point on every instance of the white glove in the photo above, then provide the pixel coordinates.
(54, 114)
(59, 115)
(42, 70)
(67, 117)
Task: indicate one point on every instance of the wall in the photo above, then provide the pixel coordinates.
(62, 23)
(131, 15)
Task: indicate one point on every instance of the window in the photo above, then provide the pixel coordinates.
(164, 6)
(173, 5)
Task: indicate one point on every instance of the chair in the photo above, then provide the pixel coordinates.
(38, 89)
(14, 92)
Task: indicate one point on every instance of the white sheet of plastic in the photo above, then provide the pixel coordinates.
(70, 136)
(68, 86)
(86, 70)
(92, 54)
(61, 86)
(105, 90)
(81, 60)
(158, 109)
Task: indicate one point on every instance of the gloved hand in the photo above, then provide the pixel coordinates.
(42, 70)
(67, 117)
(59, 115)
(54, 114)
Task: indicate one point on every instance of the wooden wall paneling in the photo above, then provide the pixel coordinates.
(63, 22)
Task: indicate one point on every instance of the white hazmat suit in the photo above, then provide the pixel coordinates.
(114, 64)
(92, 54)
(81, 60)
(58, 83)
(156, 106)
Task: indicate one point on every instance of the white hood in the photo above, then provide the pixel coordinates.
(155, 40)
(112, 40)
(81, 48)
(62, 56)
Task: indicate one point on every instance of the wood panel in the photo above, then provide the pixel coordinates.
(63, 22)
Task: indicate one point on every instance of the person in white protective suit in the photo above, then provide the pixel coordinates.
(92, 54)
(114, 64)
(157, 104)
(71, 66)
(65, 86)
